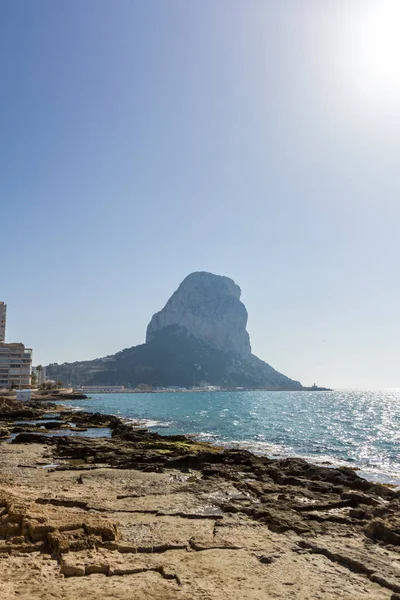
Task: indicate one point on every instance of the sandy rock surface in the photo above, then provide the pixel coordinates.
(127, 534)
(142, 516)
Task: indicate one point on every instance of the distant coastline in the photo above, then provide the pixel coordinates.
(316, 388)
(179, 390)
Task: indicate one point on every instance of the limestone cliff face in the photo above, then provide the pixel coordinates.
(208, 306)
(198, 337)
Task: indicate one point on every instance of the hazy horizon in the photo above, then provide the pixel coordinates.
(257, 140)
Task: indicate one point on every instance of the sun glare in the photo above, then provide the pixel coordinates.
(377, 46)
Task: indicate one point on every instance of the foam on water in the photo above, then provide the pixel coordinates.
(149, 423)
(357, 428)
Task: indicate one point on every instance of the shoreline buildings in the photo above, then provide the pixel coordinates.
(15, 359)
(40, 374)
(3, 315)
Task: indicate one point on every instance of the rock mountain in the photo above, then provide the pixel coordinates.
(198, 337)
(209, 308)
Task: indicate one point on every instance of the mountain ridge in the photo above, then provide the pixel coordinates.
(198, 338)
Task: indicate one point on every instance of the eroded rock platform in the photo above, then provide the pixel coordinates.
(143, 516)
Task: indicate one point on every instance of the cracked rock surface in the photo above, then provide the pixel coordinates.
(139, 516)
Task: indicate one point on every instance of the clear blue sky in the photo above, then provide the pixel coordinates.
(144, 140)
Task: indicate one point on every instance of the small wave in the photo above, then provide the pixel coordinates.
(260, 448)
(205, 436)
(378, 474)
(326, 460)
(381, 473)
(73, 408)
(149, 423)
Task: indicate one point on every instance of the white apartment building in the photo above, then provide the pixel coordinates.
(15, 359)
(15, 366)
(3, 318)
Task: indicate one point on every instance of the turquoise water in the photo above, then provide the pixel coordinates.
(354, 428)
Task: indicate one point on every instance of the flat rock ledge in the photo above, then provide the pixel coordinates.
(142, 516)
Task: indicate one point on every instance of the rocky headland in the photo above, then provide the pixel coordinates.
(133, 514)
(198, 337)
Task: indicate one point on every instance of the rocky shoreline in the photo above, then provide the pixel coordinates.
(133, 514)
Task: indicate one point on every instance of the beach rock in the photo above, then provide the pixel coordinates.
(387, 530)
(92, 419)
(13, 409)
(4, 432)
(356, 498)
(32, 438)
(168, 503)
(53, 424)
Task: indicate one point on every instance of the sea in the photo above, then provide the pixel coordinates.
(354, 428)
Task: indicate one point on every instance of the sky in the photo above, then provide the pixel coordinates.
(258, 139)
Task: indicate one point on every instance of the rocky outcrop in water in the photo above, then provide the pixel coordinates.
(199, 337)
(208, 307)
(10, 408)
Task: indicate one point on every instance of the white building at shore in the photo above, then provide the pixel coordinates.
(15, 366)
(40, 374)
(15, 359)
(3, 319)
